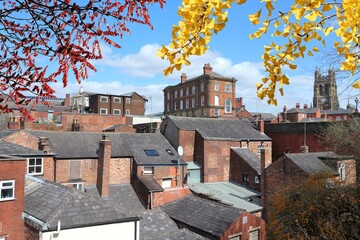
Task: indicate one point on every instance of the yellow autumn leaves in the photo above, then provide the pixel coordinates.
(304, 26)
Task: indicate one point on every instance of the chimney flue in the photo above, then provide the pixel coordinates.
(103, 171)
(207, 68)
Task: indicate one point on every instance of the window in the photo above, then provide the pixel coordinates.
(227, 87)
(166, 183)
(216, 86)
(151, 152)
(35, 166)
(341, 171)
(103, 111)
(187, 103)
(117, 100)
(148, 171)
(227, 106)
(176, 94)
(103, 99)
(193, 89)
(7, 190)
(127, 112)
(128, 100)
(181, 92)
(175, 106)
(168, 107)
(76, 185)
(257, 179)
(50, 115)
(216, 101)
(193, 103)
(202, 102)
(216, 112)
(187, 91)
(338, 118)
(254, 235)
(75, 170)
(181, 104)
(202, 87)
(168, 95)
(245, 177)
(117, 111)
(169, 152)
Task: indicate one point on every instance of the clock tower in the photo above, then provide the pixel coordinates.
(325, 90)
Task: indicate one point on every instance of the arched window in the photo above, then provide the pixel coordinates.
(216, 101)
(228, 106)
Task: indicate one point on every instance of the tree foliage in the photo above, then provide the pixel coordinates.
(68, 33)
(306, 23)
(313, 210)
(342, 137)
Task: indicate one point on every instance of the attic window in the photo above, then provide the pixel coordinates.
(151, 152)
(169, 152)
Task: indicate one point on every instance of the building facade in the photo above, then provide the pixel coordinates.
(208, 95)
(325, 90)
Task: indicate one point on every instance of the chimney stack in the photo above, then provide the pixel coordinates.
(284, 109)
(103, 171)
(207, 68)
(297, 105)
(183, 77)
(261, 126)
(305, 106)
(44, 145)
(13, 124)
(304, 149)
(262, 178)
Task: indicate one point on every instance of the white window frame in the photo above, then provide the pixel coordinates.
(117, 98)
(35, 166)
(148, 171)
(228, 88)
(6, 188)
(181, 92)
(216, 100)
(216, 112)
(193, 89)
(228, 106)
(165, 182)
(216, 86)
(119, 110)
(128, 100)
(175, 94)
(257, 179)
(102, 99)
(181, 104)
(76, 185)
(193, 102)
(202, 101)
(102, 109)
(127, 112)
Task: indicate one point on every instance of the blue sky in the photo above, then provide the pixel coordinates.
(135, 67)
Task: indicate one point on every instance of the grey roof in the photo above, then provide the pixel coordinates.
(155, 224)
(150, 183)
(50, 202)
(249, 157)
(230, 194)
(117, 126)
(6, 133)
(310, 110)
(338, 111)
(209, 217)
(310, 162)
(295, 110)
(313, 120)
(264, 116)
(17, 150)
(220, 129)
(71, 145)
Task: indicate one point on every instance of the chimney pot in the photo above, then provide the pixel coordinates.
(207, 68)
(297, 105)
(183, 77)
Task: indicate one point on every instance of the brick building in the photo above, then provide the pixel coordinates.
(208, 95)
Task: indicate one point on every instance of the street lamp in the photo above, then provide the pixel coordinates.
(356, 105)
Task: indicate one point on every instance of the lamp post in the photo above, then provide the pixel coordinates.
(356, 105)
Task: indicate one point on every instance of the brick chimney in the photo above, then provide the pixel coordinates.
(44, 145)
(183, 77)
(67, 100)
(284, 109)
(75, 126)
(103, 171)
(261, 126)
(304, 149)
(207, 68)
(14, 123)
(297, 105)
(263, 177)
(238, 102)
(305, 106)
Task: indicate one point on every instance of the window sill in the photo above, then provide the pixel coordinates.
(7, 199)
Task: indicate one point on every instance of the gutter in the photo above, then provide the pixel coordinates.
(43, 225)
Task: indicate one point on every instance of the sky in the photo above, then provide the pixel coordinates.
(136, 68)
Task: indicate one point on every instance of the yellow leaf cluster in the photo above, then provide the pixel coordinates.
(306, 23)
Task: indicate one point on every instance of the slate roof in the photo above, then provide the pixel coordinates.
(150, 183)
(207, 216)
(6, 133)
(17, 150)
(220, 129)
(72, 145)
(338, 111)
(230, 194)
(295, 110)
(117, 126)
(264, 116)
(50, 202)
(310, 162)
(310, 110)
(249, 157)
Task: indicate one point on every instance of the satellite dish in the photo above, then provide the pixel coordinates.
(180, 150)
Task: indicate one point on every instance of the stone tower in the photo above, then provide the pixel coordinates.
(325, 90)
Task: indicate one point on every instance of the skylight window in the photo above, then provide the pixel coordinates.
(151, 152)
(169, 152)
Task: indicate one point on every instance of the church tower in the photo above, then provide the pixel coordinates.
(325, 90)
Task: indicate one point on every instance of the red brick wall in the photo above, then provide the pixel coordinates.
(24, 139)
(173, 194)
(120, 170)
(31, 233)
(187, 141)
(246, 223)
(137, 105)
(161, 172)
(238, 167)
(48, 169)
(11, 224)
